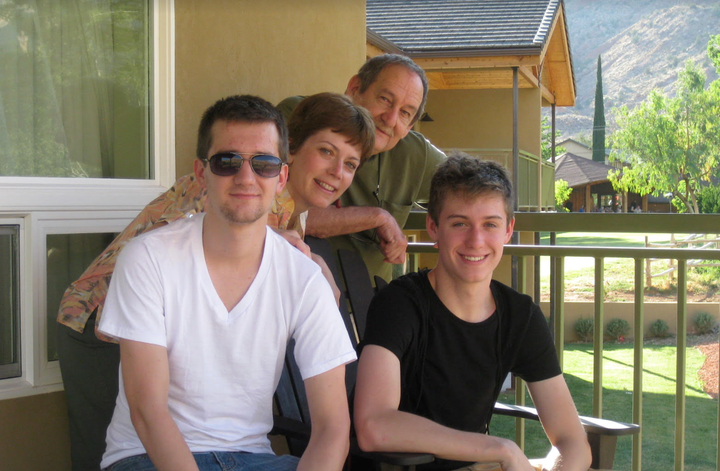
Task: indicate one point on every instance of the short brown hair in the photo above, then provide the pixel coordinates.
(241, 108)
(369, 72)
(466, 176)
(337, 113)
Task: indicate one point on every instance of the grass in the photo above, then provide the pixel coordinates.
(658, 405)
(605, 239)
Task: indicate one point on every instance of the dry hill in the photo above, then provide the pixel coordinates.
(643, 43)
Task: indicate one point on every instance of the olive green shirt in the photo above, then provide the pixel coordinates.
(403, 174)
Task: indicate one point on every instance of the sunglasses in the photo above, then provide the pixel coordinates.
(227, 164)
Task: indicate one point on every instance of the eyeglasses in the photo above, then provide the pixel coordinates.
(227, 164)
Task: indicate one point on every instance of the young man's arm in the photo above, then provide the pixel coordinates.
(329, 438)
(562, 425)
(380, 426)
(146, 378)
(331, 221)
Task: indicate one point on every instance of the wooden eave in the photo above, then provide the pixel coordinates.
(549, 68)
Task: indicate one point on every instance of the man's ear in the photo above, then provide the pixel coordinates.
(353, 86)
(199, 169)
(282, 179)
(509, 231)
(431, 228)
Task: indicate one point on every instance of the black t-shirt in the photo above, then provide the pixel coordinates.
(451, 369)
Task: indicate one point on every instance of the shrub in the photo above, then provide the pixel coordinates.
(617, 329)
(704, 323)
(660, 329)
(585, 328)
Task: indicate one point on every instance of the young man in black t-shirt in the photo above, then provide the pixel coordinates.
(438, 343)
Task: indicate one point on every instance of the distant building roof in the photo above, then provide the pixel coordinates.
(578, 171)
(424, 26)
(565, 142)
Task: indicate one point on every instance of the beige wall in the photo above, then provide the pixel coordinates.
(653, 312)
(270, 48)
(482, 119)
(34, 433)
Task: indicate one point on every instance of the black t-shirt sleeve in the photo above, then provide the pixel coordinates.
(536, 359)
(393, 319)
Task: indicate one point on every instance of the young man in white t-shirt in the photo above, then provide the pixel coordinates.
(203, 309)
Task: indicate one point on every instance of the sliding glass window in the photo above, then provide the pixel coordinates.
(9, 303)
(74, 89)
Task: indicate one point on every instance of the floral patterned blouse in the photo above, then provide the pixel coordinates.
(185, 198)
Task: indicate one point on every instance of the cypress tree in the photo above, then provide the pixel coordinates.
(598, 146)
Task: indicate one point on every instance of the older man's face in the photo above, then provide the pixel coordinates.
(393, 100)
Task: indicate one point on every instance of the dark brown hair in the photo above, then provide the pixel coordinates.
(469, 177)
(241, 108)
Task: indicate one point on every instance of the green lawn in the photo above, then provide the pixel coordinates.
(658, 406)
(606, 239)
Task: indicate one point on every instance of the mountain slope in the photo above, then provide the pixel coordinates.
(643, 43)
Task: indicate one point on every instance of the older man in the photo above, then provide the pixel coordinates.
(371, 214)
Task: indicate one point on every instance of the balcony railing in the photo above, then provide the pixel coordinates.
(599, 223)
(536, 179)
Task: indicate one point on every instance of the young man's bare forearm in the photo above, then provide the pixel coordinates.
(404, 432)
(327, 450)
(162, 440)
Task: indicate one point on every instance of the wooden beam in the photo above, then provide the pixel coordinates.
(484, 62)
(436, 81)
(372, 50)
(528, 75)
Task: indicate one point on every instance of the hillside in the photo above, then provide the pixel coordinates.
(643, 43)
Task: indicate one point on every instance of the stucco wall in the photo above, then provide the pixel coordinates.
(653, 312)
(483, 119)
(34, 434)
(273, 48)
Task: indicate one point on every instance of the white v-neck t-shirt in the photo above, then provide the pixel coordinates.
(224, 366)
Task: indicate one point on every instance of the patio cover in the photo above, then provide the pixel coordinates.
(474, 44)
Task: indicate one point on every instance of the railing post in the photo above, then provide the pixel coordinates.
(680, 371)
(519, 422)
(559, 294)
(553, 285)
(598, 336)
(638, 364)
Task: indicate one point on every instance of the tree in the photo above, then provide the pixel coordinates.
(598, 141)
(546, 140)
(562, 194)
(671, 145)
(709, 199)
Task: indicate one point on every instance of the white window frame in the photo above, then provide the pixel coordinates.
(42, 206)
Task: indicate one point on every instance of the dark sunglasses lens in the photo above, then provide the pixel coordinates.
(225, 165)
(267, 166)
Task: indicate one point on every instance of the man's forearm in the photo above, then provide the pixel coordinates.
(396, 431)
(326, 450)
(572, 455)
(331, 221)
(162, 440)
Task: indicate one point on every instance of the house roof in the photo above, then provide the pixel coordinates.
(474, 44)
(566, 141)
(579, 171)
(443, 25)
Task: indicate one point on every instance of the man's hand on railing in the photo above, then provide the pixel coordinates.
(393, 243)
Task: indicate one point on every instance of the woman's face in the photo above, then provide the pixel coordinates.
(322, 169)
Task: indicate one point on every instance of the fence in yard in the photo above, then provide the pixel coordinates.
(702, 241)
